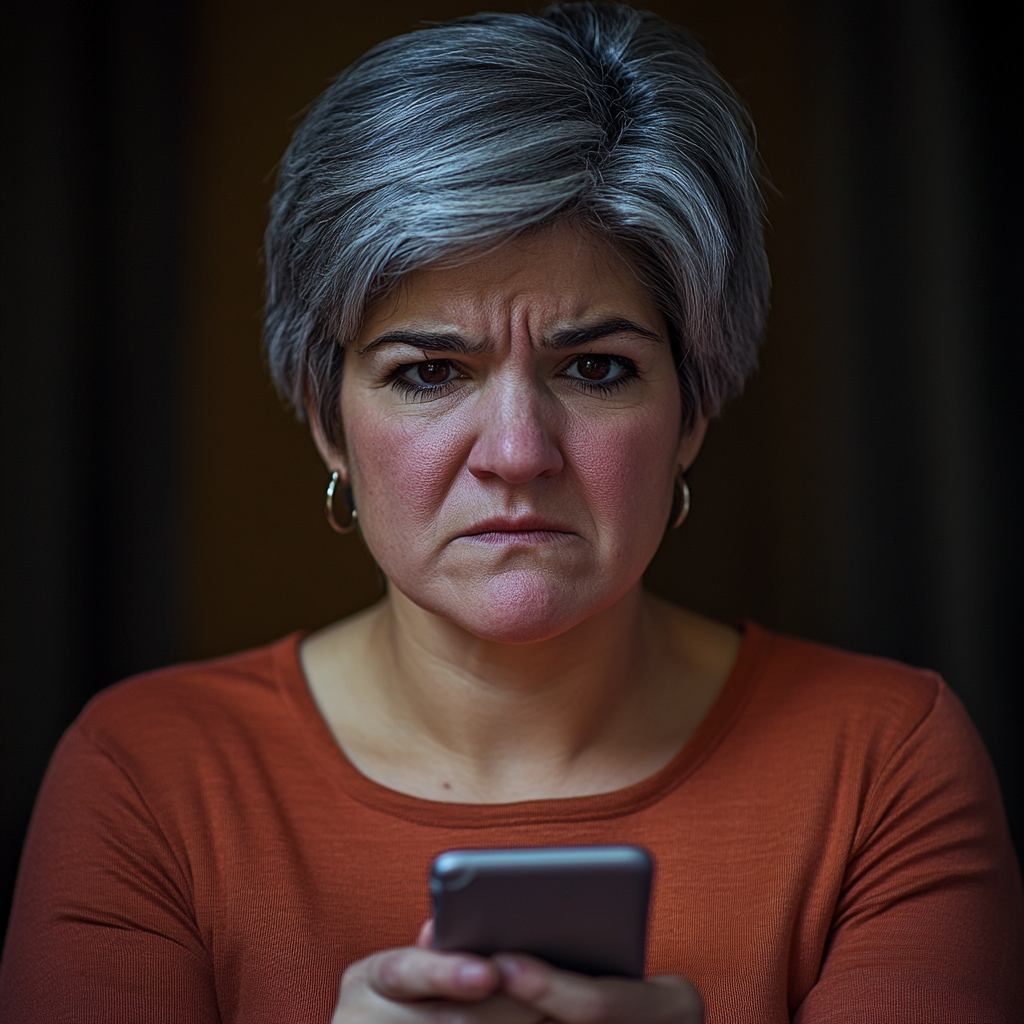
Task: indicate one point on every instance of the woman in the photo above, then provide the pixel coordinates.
(515, 264)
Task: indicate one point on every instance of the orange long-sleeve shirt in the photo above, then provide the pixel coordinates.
(830, 846)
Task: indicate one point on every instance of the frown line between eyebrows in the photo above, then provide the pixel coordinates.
(568, 337)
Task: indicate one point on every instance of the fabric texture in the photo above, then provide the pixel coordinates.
(830, 846)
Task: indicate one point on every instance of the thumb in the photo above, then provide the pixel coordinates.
(425, 939)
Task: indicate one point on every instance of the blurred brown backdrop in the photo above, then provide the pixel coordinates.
(160, 504)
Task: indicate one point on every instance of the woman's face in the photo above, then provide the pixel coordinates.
(512, 432)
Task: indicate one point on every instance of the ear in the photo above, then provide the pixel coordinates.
(690, 443)
(334, 458)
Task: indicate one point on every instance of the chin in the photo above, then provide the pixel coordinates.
(518, 607)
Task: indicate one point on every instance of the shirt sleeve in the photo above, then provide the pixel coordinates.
(930, 922)
(102, 928)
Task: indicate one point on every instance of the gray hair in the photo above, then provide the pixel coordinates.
(450, 140)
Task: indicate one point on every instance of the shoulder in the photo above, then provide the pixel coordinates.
(827, 713)
(884, 754)
(903, 828)
(840, 688)
(183, 705)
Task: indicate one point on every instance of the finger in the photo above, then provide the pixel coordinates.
(405, 974)
(494, 1010)
(425, 940)
(577, 999)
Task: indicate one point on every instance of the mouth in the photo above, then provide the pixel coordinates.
(523, 530)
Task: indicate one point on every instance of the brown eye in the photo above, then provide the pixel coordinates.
(434, 373)
(594, 367)
(602, 373)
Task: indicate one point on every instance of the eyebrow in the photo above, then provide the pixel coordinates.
(432, 341)
(567, 337)
(574, 337)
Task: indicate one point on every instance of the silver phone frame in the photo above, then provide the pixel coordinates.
(581, 908)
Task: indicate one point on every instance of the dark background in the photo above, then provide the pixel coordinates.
(158, 504)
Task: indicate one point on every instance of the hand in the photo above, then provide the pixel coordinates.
(565, 998)
(417, 985)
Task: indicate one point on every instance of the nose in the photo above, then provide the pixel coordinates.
(516, 435)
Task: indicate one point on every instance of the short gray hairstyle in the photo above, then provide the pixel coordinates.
(447, 142)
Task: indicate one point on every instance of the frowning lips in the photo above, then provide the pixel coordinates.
(530, 529)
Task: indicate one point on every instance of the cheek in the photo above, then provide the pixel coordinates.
(401, 470)
(627, 468)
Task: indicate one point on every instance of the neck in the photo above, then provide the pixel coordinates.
(485, 700)
(425, 707)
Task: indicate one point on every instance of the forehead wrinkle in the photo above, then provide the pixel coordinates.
(559, 338)
(470, 309)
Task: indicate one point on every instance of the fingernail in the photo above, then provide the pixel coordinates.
(473, 974)
(511, 966)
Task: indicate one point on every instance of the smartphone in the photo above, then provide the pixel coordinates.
(581, 908)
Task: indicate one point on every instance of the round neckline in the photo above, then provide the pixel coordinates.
(294, 689)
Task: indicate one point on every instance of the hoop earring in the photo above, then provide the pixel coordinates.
(329, 507)
(684, 499)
